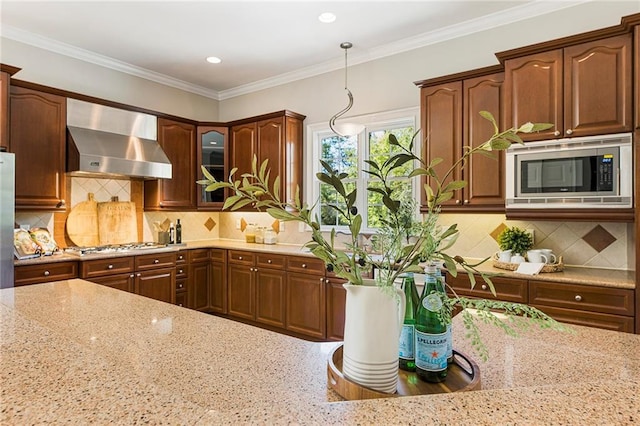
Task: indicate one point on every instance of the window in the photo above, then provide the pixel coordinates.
(348, 155)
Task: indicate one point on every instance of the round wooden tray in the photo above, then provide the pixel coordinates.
(555, 267)
(463, 375)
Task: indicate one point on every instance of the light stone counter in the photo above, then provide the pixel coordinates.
(78, 353)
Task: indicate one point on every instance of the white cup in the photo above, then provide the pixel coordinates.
(504, 256)
(551, 258)
(536, 256)
(517, 258)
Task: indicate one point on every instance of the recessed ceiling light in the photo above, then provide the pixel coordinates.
(327, 17)
(214, 60)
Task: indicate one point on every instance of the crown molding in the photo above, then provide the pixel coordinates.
(515, 14)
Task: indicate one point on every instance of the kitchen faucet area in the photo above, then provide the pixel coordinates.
(198, 240)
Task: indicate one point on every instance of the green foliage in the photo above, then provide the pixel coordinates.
(387, 169)
(515, 239)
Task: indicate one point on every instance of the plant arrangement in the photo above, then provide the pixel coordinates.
(515, 239)
(430, 242)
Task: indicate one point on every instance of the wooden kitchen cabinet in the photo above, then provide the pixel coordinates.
(6, 71)
(507, 289)
(47, 272)
(212, 144)
(306, 297)
(270, 289)
(124, 282)
(451, 121)
(177, 139)
(37, 129)
(199, 279)
(156, 276)
(116, 272)
(277, 137)
(336, 303)
(636, 73)
(241, 284)
(218, 281)
(594, 306)
(583, 89)
(182, 278)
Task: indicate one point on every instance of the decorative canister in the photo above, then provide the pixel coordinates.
(270, 236)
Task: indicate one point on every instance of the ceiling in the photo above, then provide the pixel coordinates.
(261, 43)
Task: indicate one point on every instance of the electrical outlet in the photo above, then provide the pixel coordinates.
(281, 226)
(530, 232)
(238, 224)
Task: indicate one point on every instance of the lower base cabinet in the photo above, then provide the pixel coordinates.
(199, 279)
(218, 281)
(336, 303)
(158, 284)
(306, 297)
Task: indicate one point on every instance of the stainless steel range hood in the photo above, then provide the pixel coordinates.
(104, 141)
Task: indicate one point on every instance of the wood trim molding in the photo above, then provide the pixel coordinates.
(625, 26)
(9, 69)
(283, 113)
(578, 215)
(479, 72)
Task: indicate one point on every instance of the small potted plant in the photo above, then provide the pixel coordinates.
(515, 239)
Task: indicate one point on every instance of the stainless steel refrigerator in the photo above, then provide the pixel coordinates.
(7, 217)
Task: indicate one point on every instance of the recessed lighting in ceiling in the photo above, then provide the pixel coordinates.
(214, 60)
(327, 17)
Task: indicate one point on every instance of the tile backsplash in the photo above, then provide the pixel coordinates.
(604, 245)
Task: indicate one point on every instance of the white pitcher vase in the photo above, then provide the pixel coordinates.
(373, 321)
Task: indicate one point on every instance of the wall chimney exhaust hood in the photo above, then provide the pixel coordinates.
(108, 142)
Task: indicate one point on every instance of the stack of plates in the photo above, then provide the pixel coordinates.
(382, 377)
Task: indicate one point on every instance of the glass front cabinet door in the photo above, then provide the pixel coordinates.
(211, 154)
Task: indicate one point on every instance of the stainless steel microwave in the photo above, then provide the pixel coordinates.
(589, 172)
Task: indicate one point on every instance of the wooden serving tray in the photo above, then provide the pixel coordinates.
(555, 267)
(463, 375)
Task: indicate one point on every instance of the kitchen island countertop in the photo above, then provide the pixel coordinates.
(76, 352)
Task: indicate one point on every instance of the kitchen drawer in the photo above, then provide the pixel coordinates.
(507, 289)
(118, 281)
(181, 257)
(100, 267)
(181, 298)
(181, 284)
(218, 255)
(589, 319)
(582, 297)
(34, 274)
(307, 265)
(267, 260)
(182, 271)
(158, 260)
(242, 257)
(198, 255)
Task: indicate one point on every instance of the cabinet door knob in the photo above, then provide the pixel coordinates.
(466, 201)
(269, 261)
(110, 266)
(322, 281)
(578, 298)
(138, 275)
(569, 132)
(180, 285)
(180, 257)
(556, 133)
(484, 286)
(47, 273)
(304, 265)
(131, 276)
(239, 257)
(180, 271)
(156, 261)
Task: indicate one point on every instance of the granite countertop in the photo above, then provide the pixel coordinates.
(571, 274)
(79, 353)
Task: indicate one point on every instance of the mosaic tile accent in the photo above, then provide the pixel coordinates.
(599, 238)
(276, 226)
(496, 232)
(210, 224)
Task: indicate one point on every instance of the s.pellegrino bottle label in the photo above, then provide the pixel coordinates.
(431, 351)
(407, 340)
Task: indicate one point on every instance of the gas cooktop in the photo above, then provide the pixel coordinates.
(113, 248)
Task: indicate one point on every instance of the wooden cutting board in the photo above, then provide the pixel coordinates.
(117, 222)
(82, 223)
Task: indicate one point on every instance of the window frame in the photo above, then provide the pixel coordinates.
(372, 122)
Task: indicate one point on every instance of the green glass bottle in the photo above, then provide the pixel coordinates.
(431, 332)
(406, 354)
(446, 316)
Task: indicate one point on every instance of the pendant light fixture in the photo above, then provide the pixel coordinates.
(345, 129)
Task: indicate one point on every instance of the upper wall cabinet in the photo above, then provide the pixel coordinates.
(6, 72)
(37, 131)
(584, 89)
(636, 74)
(450, 121)
(178, 142)
(275, 137)
(211, 154)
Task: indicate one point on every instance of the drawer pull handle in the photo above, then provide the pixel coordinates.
(180, 285)
(110, 267)
(180, 257)
(156, 261)
(131, 276)
(47, 273)
(569, 132)
(322, 281)
(484, 286)
(239, 257)
(578, 298)
(181, 271)
(138, 275)
(269, 261)
(304, 265)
